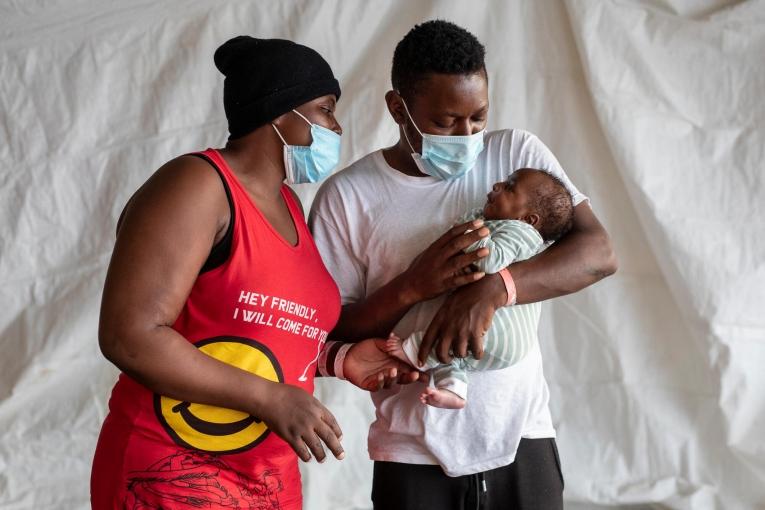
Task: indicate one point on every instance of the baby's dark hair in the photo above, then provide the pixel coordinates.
(555, 207)
(436, 46)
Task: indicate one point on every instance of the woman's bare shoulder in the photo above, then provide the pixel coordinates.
(186, 184)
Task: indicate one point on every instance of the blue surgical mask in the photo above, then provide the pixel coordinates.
(445, 157)
(311, 163)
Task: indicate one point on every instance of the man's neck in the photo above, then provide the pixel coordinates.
(399, 157)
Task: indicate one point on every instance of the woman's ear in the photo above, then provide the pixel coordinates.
(395, 107)
(280, 120)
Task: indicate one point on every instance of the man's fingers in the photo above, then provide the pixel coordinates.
(460, 346)
(444, 348)
(429, 339)
(332, 441)
(465, 260)
(458, 244)
(476, 344)
(478, 334)
(458, 230)
(464, 279)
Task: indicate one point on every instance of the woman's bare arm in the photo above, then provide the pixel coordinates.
(164, 238)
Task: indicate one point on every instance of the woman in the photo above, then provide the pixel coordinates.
(216, 304)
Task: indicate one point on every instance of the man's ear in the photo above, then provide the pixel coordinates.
(532, 219)
(395, 107)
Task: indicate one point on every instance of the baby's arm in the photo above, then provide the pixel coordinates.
(473, 214)
(509, 241)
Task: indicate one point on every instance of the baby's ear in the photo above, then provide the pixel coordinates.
(532, 219)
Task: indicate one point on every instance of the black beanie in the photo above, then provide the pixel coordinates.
(266, 78)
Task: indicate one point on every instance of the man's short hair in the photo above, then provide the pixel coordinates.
(436, 46)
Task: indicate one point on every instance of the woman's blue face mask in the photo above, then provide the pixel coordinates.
(311, 163)
(445, 157)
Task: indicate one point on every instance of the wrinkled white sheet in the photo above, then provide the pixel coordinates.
(654, 108)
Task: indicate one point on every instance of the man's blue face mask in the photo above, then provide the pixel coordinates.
(445, 157)
(311, 163)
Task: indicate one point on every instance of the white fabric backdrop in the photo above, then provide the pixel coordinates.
(654, 108)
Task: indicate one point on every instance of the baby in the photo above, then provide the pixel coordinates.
(523, 214)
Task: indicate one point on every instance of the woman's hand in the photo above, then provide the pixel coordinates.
(301, 420)
(368, 366)
(444, 265)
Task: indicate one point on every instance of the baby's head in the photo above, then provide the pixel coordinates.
(533, 196)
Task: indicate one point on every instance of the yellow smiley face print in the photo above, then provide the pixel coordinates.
(217, 429)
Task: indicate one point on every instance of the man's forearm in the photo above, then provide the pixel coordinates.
(377, 315)
(583, 257)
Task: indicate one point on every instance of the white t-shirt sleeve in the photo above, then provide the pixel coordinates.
(331, 233)
(535, 154)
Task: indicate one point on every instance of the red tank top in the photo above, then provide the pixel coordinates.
(267, 310)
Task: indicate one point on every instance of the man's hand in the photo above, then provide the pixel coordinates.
(444, 265)
(463, 320)
(369, 367)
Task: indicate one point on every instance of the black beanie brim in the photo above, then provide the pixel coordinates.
(251, 116)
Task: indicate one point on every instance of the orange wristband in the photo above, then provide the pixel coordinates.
(509, 286)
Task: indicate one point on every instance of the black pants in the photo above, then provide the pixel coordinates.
(533, 481)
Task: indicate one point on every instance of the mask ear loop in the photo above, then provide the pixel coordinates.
(287, 165)
(406, 137)
(406, 108)
(302, 117)
(412, 120)
(279, 134)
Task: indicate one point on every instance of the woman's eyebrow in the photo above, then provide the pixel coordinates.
(329, 102)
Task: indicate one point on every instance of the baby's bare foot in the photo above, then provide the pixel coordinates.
(444, 399)
(394, 346)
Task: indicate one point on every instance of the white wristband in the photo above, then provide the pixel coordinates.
(340, 359)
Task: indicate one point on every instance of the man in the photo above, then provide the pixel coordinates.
(377, 225)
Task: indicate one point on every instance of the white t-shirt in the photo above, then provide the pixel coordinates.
(369, 222)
